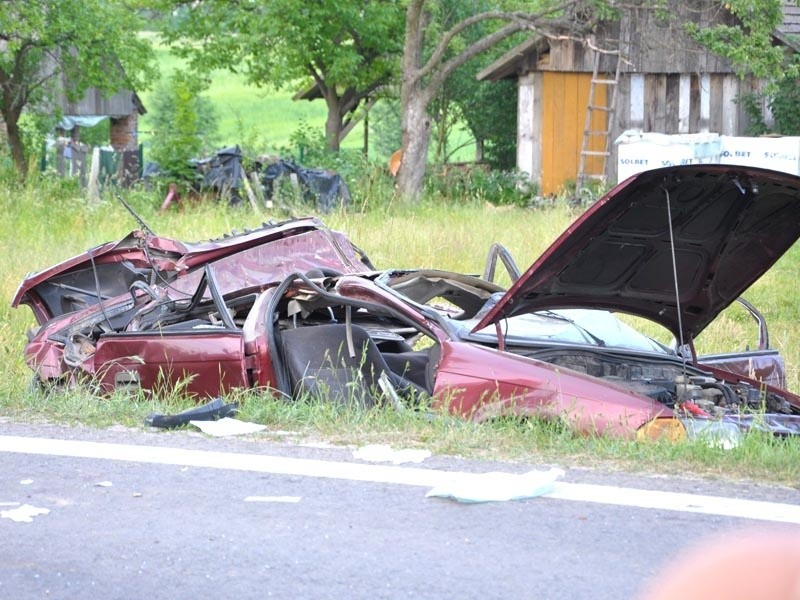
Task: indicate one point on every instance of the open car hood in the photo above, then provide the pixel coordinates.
(730, 224)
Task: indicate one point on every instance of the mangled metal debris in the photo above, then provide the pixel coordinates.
(298, 311)
(214, 410)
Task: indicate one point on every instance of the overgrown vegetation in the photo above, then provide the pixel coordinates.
(782, 96)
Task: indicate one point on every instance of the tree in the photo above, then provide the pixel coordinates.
(491, 115)
(423, 74)
(489, 112)
(55, 48)
(343, 50)
(184, 124)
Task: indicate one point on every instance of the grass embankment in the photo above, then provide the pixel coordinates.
(44, 225)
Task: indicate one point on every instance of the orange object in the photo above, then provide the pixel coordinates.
(395, 160)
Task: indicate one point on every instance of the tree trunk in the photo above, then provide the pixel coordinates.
(333, 126)
(416, 140)
(15, 142)
(414, 119)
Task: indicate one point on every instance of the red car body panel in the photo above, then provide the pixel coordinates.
(507, 385)
(200, 364)
(765, 366)
(259, 257)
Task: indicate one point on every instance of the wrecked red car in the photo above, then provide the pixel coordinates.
(298, 310)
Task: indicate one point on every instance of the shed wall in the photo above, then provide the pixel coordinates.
(565, 98)
(551, 131)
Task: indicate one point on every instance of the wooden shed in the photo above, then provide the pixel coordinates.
(122, 108)
(642, 72)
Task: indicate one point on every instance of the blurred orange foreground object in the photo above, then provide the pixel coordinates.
(394, 162)
(744, 565)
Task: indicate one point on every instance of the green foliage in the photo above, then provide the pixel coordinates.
(488, 109)
(34, 130)
(61, 48)
(783, 98)
(748, 43)
(476, 184)
(785, 107)
(347, 49)
(751, 103)
(491, 114)
(386, 135)
(97, 135)
(184, 124)
(369, 180)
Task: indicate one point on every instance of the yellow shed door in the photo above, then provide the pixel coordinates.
(565, 97)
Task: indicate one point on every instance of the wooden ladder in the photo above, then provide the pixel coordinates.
(590, 134)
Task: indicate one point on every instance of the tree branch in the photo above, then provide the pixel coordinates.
(520, 20)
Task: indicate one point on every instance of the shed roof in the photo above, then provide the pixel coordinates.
(789, 31)
(646, 54)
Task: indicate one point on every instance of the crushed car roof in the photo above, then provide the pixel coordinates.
(110, 269)
(707, 231)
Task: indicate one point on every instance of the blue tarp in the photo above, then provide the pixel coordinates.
(68, 122)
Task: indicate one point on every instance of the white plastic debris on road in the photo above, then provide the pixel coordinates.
(497, 487)
(24, 513)
(227, 426)
(382, 453)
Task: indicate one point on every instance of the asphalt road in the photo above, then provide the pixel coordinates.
(131, 529)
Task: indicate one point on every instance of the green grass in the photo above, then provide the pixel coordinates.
(48, 221)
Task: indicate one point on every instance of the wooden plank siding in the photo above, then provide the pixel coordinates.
(667, 103)
(565, 98)
(673, 103)
(121, 104)
(662, 102)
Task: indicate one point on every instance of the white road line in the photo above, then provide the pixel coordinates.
(278, 499)
(414, 476)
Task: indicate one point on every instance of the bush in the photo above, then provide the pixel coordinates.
(371, 185)
(184, 124)
(478, 183)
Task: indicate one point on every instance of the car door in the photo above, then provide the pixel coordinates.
(203, 359)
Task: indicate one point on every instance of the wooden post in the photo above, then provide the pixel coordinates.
(93, 189)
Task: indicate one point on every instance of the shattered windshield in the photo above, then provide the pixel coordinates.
(566, 326)
(463, 301)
